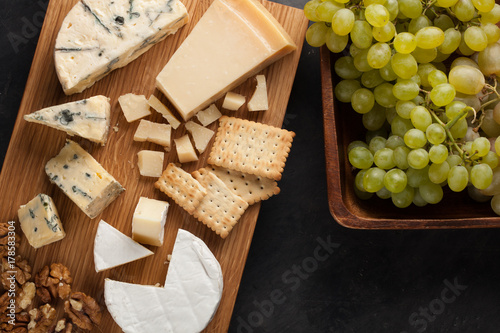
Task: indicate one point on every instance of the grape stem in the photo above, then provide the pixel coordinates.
(429, 5)
(450, 124)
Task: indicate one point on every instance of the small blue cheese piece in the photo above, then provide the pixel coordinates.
(83, 179)
(98, 36)
(88, 118)
(40, 221)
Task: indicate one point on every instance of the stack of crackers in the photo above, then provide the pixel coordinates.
(245, 163)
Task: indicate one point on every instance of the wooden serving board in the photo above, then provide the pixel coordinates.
(32, 145)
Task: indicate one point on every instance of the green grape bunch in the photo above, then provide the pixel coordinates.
(423, 76)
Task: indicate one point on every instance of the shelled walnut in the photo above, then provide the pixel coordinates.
(4, 240)
(83, 310)
(63, 326)
(18, 268)
(42, 319)
(21, 323)
(54, 282)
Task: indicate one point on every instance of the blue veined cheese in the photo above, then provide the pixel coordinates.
(88, 118)
(99, 36)
(83, 179)
(40, 221)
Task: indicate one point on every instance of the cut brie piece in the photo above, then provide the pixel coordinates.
(149, 220)
(201, 135)
(233, 101)
(258, 101)
(134, 107)
(187, 303)
(98, 36)
(112, 248)
(233, 40)
(88, 118)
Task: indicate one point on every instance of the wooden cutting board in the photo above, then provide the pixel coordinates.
(32, 145)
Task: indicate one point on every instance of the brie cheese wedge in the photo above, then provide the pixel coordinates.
(187, 303)
(112, 248)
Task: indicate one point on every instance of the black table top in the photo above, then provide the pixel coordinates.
(306, 273)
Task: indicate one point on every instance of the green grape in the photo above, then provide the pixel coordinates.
(429, 37)
(484, 5)
(377, 15)
(410, 8)
(442, 94)
(440, 57)
(436, 134)
(497, 145)
(385, 33)
(458, 177)
(362, 100)
(419, 100)
(354, 50)
(481, 146)
(492, 32)
(415, 138)
(438, 172)
(493, 16)
(373, 2)
(403, 108)
(336, 43)
(371, 79)
(405, 43)
(344, 67)
(383, 193)
(404, 65)
(475, 38)
(459, 130)
(393, 8)
(394, 141)
(401, 25)
(395, 180)
(481, 176)
(387, 73)
(405, 90)
(316, 34)
(390, 114)
(444, 22)
(358, 180)
(438, 153)
(373, 179)
(400, 126)
(345, 88)
(310, 10)
(490, 127)
(327, 9)
(451, 42)
(467, 80)
(342, 1)
(418, 158)
(417, 177)
(453, 160)
(464, 10)
(361, 34)
(420, 118)
(418, 23)
(436, 77)
(423, 56)
(376, 144)
(454, 108)
(446, 3)
(384, 158)
(361, 61)
(418, 200)
(343, 21)
(404, 198)
(423, 72)
(374, 119)
(363, 195)
(361, 158)
(464, 49)
(491, 159)
(378, 55)
(382, 132)
(384, 96)
(356, 143)
(401, 157)
(430, 192)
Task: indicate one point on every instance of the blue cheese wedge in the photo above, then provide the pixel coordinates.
(187, 302)
(113, 248)
(88, 118)
(98, 36)
(40, 221)
(83, 179)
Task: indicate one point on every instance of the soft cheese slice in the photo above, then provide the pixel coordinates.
(187, 303)
(83, 179)
(88, 118)
(201, 135)
(233, 40)
(99, 36)
(112, 248)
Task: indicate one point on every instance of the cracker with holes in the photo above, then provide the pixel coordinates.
(250, 188)
(220, 209)
(179, 185)
(251, 147)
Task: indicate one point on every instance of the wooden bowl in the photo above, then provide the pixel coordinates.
(342, 125)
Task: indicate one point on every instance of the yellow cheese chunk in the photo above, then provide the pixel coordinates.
(134, 107)
(150, 163)
(153, 132)
(233, 101)
(258, 101)
(201, 135)
(208, 116)
(156, 104)
(185, 150)
(148, 221)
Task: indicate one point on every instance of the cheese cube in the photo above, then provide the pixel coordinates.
(40, 221)
(149, 220)
(150, 163)
(134, 106)
(209, 115)
(233, 101)
(156, 104)
(185, 150)
(201, 135)
(258, 101)
(153, 132)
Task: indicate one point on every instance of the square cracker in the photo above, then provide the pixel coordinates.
(250, 188)
(179, 185)
(251, 147)
(220, 209)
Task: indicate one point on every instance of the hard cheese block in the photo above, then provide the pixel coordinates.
(83, 179)
(99, 36)
(40, 221)
(187, 303)
(88, 118)
(148, 222)
(232, 41)
(112, 248)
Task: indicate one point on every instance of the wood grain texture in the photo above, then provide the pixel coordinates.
(32, 145)
(342, 125)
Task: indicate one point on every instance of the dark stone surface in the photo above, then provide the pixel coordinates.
(364, 281)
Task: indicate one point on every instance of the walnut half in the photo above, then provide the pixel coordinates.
(83, 310)
(42, 319)
(54, 282)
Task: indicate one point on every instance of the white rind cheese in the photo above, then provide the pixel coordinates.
(88, 118)
(99, 36)
(187, 303)
(112, 248)
(83, 179)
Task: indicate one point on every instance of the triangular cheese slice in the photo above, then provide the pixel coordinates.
(201, 135)
(112, 248)
(187, 303)
(88, 118)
